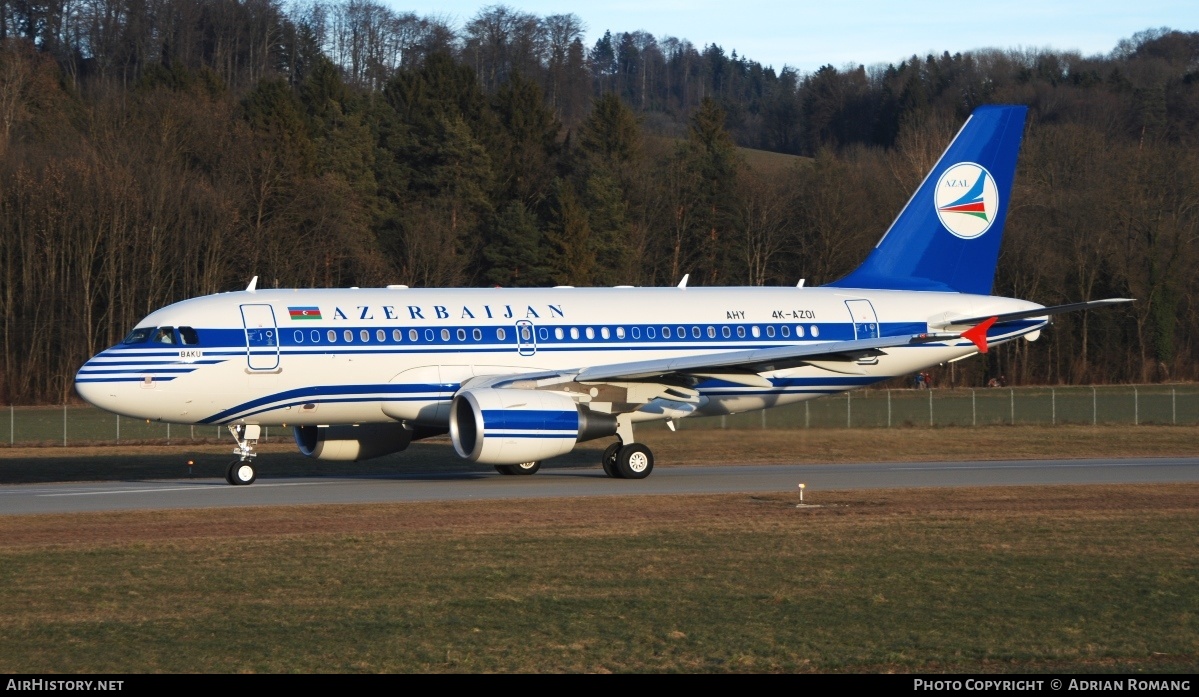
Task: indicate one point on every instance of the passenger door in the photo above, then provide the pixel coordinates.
(262, 338)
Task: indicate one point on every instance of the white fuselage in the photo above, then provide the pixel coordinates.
(348, 356)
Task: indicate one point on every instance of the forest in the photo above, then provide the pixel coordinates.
(154, 150)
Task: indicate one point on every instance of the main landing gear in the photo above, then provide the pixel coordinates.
(631, 461)
(241, 471)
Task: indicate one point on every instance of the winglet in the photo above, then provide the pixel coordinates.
(978, 334)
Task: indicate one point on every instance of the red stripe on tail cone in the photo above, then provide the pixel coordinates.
(978, 334)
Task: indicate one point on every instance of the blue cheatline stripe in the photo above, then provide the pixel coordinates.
(328, 393)
(771, 393)
(91, 371)
(532, 419)
(134, 353)
(346, 400)
(142, 379)
(101, 363)
(525, 434)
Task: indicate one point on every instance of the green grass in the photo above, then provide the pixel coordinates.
(1070, 579)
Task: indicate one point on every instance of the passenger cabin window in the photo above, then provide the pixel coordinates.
(188, 336)
(139, 336)
(165, 335)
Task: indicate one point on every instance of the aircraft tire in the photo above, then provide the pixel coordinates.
(526, 468)
(243, 473)
(229, 473)
(635, 461)
(504, 469)
(608, 460)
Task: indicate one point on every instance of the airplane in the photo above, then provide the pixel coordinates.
(517, 376)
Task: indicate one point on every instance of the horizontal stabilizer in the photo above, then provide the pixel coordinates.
(1025, 314)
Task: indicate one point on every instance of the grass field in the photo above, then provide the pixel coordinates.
(1090, 579)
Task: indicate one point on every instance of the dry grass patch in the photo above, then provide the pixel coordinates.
(1089, 579)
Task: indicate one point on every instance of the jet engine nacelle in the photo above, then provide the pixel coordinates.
(508, 427)
(352, 443)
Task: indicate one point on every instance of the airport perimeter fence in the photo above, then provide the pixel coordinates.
(870, 408)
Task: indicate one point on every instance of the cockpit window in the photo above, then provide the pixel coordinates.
(139, 336)
(188, 336)
(164, 335)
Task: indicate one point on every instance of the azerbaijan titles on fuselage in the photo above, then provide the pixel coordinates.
(430, 312)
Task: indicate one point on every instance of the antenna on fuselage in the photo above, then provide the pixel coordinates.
(683, 283)
(801, 282)
(253, 284)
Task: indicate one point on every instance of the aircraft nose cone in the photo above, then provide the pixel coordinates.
(95, 393)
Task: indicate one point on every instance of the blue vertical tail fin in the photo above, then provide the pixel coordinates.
(947, 236)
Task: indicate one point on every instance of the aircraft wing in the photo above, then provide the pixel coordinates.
(754, 360)
(733, 366)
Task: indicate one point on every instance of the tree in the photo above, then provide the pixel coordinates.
(525, 148)
(515, 251)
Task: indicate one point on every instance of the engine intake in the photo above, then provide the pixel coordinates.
(509, 427)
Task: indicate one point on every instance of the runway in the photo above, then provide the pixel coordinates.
(553, 482)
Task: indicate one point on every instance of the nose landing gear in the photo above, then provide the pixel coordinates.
(241, 471)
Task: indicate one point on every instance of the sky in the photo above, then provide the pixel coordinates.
(806, 35)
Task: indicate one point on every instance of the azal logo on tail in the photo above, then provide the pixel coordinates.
(967, 200)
